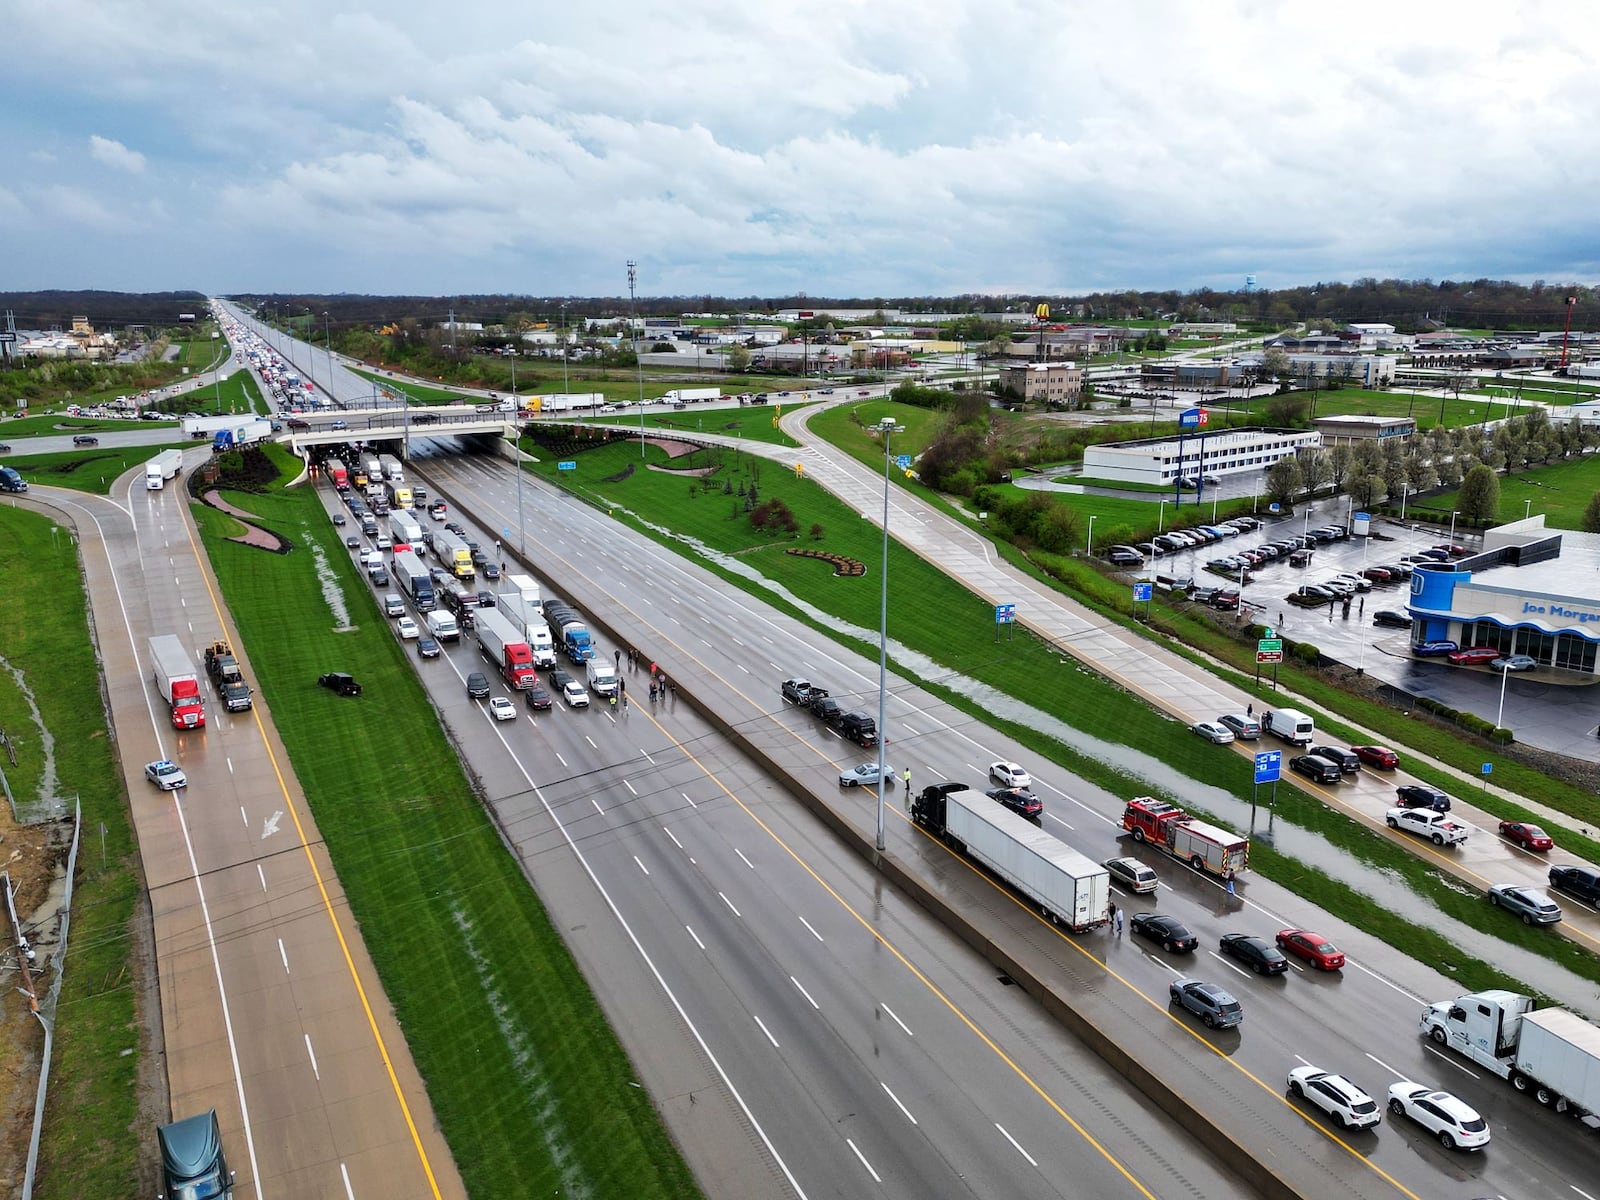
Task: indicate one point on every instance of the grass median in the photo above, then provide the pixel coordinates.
(531, 1088)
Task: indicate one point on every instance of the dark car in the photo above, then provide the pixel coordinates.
(559, 679)
(1226, 600)
(1172, 933)
(1420, 795)
(1581, 882)
(491, 571)
(1348, 761)
(1314, 766)
(379, 576)
(455, 528)
(825, 708)
(1260, 955)
(477, 686)
(352, 541)
(427, 647)
(338, 681)
(486, 600)
(85, 439)
(296, 423)
(1434, 649)
(537, 697)
(1019, 800)
(338, 518)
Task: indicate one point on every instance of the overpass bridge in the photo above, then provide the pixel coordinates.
(400, 423)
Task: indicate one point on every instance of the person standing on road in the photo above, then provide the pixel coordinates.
(908, 781)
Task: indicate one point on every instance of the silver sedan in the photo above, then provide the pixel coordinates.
(866, 775)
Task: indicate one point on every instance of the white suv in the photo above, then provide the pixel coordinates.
(1348, 1105)
(1441, 1114)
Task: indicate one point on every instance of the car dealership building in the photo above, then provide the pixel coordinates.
(1529, 591)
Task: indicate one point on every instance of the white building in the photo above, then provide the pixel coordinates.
(1162, 461)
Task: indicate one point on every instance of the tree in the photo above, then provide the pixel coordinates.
(1364, 489)
(1283, 479)
(1339, 464)
(1591, 515)
(1479, 497)
(738, 358)
(1286, 411)
(1275, 363)
(1511, 446)
(1315, 470)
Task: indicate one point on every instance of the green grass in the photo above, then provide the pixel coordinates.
(91, 1144)
(46, 424)
(1424, 409)
(933, 615)
(1560, 492)
(91, 469)
(618, 385)
(508, 1037)
(754, 424)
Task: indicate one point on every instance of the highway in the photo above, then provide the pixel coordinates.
(270, 1009)
(1379, 997)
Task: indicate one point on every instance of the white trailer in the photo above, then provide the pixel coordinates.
(204, 427)
(563, 402)
(523, 597)
(692, 395)
(1069, 888)
(405, 529)
(161, 468)
(393, 470)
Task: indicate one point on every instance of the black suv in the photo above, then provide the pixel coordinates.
(1019, 800)
(826, 708)
(339, 682)
(859, 728)
(1348, 762)
(85, 439)
(1420, 795)
(477, 686)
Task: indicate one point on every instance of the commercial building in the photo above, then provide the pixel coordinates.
(1163, 461)
(1045, 383)
(1529, 591)
(1347, 430)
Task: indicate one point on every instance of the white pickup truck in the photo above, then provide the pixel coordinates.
(1435, 826)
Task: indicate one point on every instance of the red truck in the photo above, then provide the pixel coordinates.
(504, 646)
(340, 476)
(1204, 847)
(178, 681)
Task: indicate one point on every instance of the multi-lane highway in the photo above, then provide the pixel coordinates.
(808, 950)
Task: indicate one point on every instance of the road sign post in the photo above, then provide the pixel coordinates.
(1005, 614)
(1268, 769)
(1142, 594)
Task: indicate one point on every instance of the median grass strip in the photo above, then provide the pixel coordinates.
(92, 1140)
(531, 1089)
(93, 469)
(932, 615)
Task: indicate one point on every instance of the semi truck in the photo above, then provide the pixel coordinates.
(1167, 827)
(455, 554)
(524, 604)
(577, 643)
(372, 468)
(502, 645)
(523, 597)
(405, 530)
(1068, 888)
(178, 681)
(563, 402)
(241, 434)
(397, 494)
(414, 580)
(393, 470)
(192, 1162)
(692, 395)
(161, 468)
(340, 474)
(1291, 725)
(200, 427)
(1552, 1053)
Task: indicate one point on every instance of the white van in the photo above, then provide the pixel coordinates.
(1291, 725)
(444, 626)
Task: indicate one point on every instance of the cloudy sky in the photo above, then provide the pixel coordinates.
(831, 147)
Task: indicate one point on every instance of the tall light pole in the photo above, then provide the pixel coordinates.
(564, 385)
(1453, 517)
(886, 427)
(1089, 549)
(1499, 716)
(638, 364)
(327, 340)
(1161, 518)
(311, 358)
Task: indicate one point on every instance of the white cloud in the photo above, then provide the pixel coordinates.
(115, 154)
(882, 149)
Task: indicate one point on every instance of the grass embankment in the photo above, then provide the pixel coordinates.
(1559, 492)
(618, 385)
(933, 615)
(91, 1144)
(753, 424)
(92, 469)
(529, 1085)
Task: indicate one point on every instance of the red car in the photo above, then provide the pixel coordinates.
(1529, 837)
(1313, 947)
(1377, 574)
(1376, 756)
(1474, 656)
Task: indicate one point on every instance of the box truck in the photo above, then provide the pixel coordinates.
(1068, 888)
(178, 681)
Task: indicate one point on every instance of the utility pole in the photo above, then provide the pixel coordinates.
(638, 363)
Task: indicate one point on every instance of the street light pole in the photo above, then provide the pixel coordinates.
(1527, 508)
(887, 426)
(1089, 550)
(564, 385)
(1161, 517)
(1453, 517)
(638, 365)
(1499, 716)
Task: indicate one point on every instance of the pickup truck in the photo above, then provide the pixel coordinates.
(801, 691)
(1435, 826)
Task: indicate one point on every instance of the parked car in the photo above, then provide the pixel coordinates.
(1314, 766)
(1529, 903)
(1529, 837)
(1260, 955)
(1348, 1105)
(1473, 656)
(1376, 756)
(1132, 874)
(1311, 947)
(1212, 732)
(339, 682)
(168, 776)
(477, 686)
(1515, 662)
(1243, 727)
(1455, 1124)
(1346, 760)
(1434, 649)
(1019, 800)
(1389, 619)
(1217, 1008)
(1172, 933)
(1125, 556)
(1009, 774)
(1420, 795)
(866, 774)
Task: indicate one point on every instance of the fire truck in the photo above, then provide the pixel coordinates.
(1167, 827)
